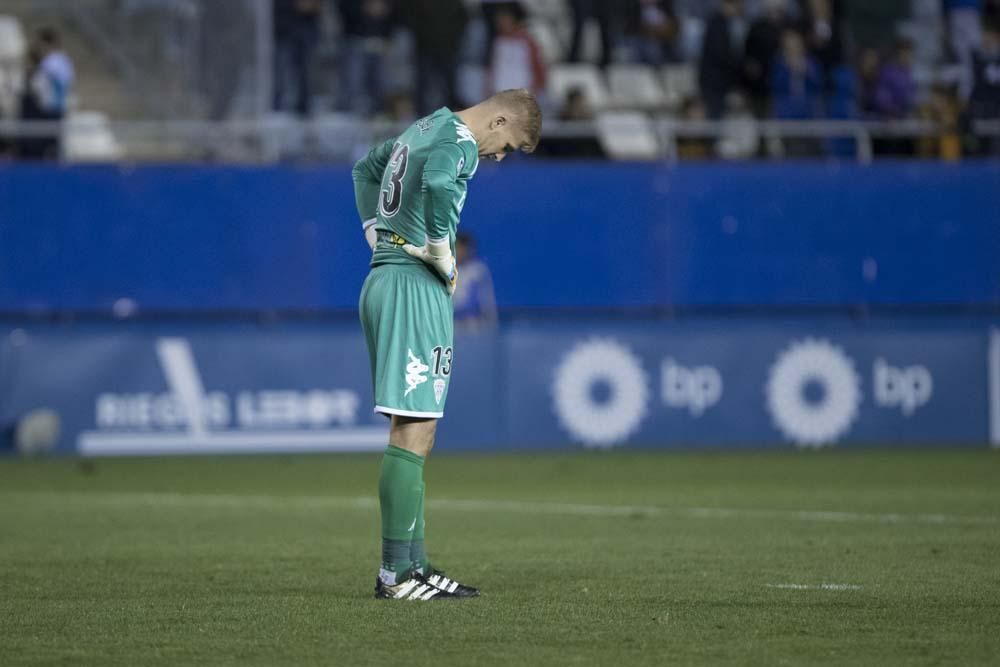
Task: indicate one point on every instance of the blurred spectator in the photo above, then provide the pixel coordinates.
(795, 80)
(964, 27)
(30, 109)
(843, 102)
(896, 92)
(474, 300)
(821, 26)
(490, 9)
(296, 32)
(963, 23)
(944, 110)
(762, 47)
(55, 76)
(719, 72)
(576, 107)
(797, 85)
(820, 23)
(984, 104)
(437, 26)
(652, 31)
(605, 14)
(895, 97)
(367, 28)
(843, 105)
(49, 86)
(517, 60)
(869, 67)
(693, 147)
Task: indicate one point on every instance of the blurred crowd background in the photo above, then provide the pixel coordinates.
(819, 300)
(633, 79)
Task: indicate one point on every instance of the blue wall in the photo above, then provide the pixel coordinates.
(588, 235)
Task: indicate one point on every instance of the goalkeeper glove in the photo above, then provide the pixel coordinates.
(438, 255)
(370, 235)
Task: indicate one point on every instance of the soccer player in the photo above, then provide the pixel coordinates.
(410, 192)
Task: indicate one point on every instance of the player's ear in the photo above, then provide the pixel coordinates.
(498, 122)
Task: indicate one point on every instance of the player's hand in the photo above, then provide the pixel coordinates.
(440, 258)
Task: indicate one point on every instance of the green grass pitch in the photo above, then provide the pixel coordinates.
(619, 558)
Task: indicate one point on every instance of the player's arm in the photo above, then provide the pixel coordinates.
(441, 192)
(367, 175)
(441, 196)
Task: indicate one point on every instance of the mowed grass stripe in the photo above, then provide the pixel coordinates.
(617, 559)
(308, 503)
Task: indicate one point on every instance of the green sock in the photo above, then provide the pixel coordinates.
(418, 556)
(399, 492)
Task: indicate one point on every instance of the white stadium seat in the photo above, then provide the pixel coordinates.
(635, 86)
(87, 137)
(12, 42)
(563, 78)
(627, 135)
(679, 83)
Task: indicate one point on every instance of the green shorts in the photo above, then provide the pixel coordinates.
(407, 317)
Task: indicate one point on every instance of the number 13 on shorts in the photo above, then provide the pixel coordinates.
(441, 356)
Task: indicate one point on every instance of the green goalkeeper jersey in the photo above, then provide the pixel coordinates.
(413, 187)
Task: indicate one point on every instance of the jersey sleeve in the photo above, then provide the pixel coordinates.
(367, 175)
(444, 166)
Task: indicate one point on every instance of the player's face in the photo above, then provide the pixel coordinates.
(502, 140)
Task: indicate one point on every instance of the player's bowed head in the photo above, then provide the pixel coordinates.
(509, 121)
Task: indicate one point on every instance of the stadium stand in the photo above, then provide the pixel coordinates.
(195, 61)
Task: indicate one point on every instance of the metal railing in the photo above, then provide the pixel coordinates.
(343, 137)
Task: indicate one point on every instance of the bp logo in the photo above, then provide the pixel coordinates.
(600, 393)
(813, 392)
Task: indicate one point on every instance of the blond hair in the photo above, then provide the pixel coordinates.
(524, 111)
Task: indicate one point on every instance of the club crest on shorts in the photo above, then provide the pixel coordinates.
(438, 390)
(414, 372)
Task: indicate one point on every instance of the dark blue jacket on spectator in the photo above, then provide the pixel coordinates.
(842, 105)
(796, 95)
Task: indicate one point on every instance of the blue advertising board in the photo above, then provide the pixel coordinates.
(288, 238)
(133, 388)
